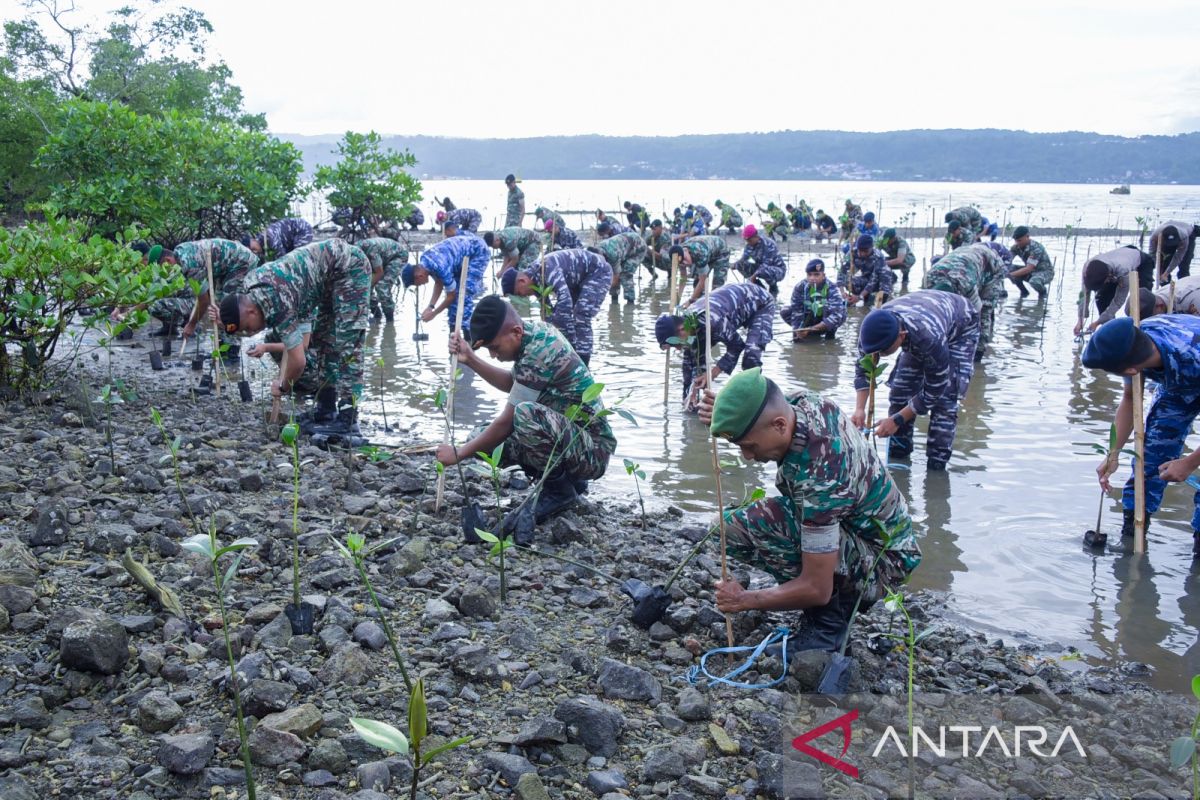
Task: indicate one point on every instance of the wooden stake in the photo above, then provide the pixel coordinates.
(218, 364)
(667, 363)
(710, 383)
(1157, 264)
(871, 395)
(462, 296)
(1139, 439)
(277, 402)
(1171, 298)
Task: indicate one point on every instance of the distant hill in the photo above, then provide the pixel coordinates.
(917, 155)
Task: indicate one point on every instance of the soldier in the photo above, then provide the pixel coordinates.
(968, 217)
(328, 282)
(543, 215)
(415, 219)
(734, 307)
(1178, 245)
(800, 217)
(547, 378)
(704, 215)
(387, 257)
(465, 219)
(1165, 350)
(514, 215)
(937, 333)
(870, 277)
(230, 263)
(817, 305)
(731, 220)
(1181, 298)
(837, 537)
(610, 227)
(624, 253)
(443, 263)
(826, 226)
(868, 226)
(677, 221)
(658, 241)
(446, 203)
(579, 279)
(776, 222)
(977, 274)
(1037, 269)
(279, 238)
(519, 246)
(699, 256)
(959, 235)
(693, 225)
(853, 212)
(1107, 275)
(638, 219)
(561, 238)
(899, 255)
(760, 260)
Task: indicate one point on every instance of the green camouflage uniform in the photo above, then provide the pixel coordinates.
(548, 378)
(963, 237)
(730, 218)
(977, 274)
(1043, 269)
(513, 214)
(709, 254)
(624, 252)
(777, 222)
(656, 246)
(328, 283)
(310, 380)
(835, 492)
(521, 242)
(894, 247)
(230, 263)
(391, 256)
(544, 214)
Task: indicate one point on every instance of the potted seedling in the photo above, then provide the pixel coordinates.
(387, 738)
(1095, 538)
(639, 475)
(356, 551)
(873, 367)
(499, 546)
(299, 614)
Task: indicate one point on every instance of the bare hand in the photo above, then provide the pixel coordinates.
(706, 406)
(1175, 471)
(886, 427)
(447, 455)
(256, 350)
(276, 389)
(858, 419)
(1107, 467)
(214, 315)
(428, 314)
(1078, 328)
(188, 330)
(732, 597)
(459, 347)
(800, 335)
(1093, 326)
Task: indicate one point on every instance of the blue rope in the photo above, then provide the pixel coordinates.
(780, 635)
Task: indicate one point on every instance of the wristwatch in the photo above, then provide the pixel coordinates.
(898, 418)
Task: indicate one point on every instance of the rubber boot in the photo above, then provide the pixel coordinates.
(822, 627)
(581, 487)
(1021, 288)
(586, 359)
(1127, 523)
(324, 414)
(389, 315)
(558, 494)
(935, 466)
(344, 428)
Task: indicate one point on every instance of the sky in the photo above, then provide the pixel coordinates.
(518, 68)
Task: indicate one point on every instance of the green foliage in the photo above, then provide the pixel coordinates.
(369, 180)
(374, 453)
(639, 475)
(27, 110)
(49, 272)
(1183, 748)
(499, 547)
(356, 551)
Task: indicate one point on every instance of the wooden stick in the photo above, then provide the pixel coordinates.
(1171, 298)
(462, 296)
(1157, 264)
(212, 299)
(709, 383)
(667, 364)
(277, 402)
(871, 395)
(1139, 439)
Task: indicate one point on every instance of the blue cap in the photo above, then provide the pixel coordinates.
(816, 265)
(604, 227)
(665, 327)
(879, 329)
(406, 275)
(865, 242)
(1116, 345)
(869, 216)
(508, 281)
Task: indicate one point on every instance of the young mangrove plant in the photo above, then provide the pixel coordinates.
(639, 475)
(499, 546)
(894, 602)
(1183, 748)
(374, 453)
(493, 471)
(174, 446)
(387, 738)
(1095, 537)
(299, 614)
(356, 551)
(208, 546)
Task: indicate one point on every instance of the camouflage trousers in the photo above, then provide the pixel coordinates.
(537, 429)
(474, 291)
(338, 333)
(719, 270)
(178, 309)
(586, 305)
(512, 219)
(310, 380)
(629, 267)
(858, 282)
(906, 380)
(1167, 427)
(383, 293)
(773, 227)
(766, 535)
(770, 273)
(1038, 281)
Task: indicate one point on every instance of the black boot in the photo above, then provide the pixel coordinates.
(1195, 544)
(376, 313)
(324, 414)
(586, 359)
(581, 487)
(343, 429)
(823, 627)
(1021, 288)
(389, 315)
(1127, 523)
(558, 494)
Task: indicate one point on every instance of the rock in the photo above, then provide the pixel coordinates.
(31, 713)
(250, 482)
(510, 767)
(410, 558)
(725, 745)
(370, 635)
(626, 682)
(262, 696)
(780, 777)
(156, 712)
(592, 723)
(138, 623)
(303, 720)
(476, 663)
(276, 634)
(16, 599)
(143, 479)
(448, 631)
(187, 753)
(704, 785)
(347, 665)
(270, 748)
(529, 787)
(374, 775)
(603, 781)
(96, 643)
(329, 755)
(692, 705)
(317, 778)
(5, 620)
(540, 731)
(52, 526)
(476, 601)
(438, 610)
(14, 787)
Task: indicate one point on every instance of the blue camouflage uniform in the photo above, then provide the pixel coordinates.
(870, 275)
(467, 219)
(615, 227)
(1175, 407)
(871, 229)
(564, 239)
(763, 261)
(579, 279)
(444, 262)
(390, 256)
(704, 214)
(624, 252)
(812, 304)
(415, 218)
(935, 365)
(731, 309)
(285, 235)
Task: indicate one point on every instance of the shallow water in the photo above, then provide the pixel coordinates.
(1001, 530)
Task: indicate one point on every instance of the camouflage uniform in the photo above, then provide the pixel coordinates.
(564, 239)
(969, 218)
(813, 304)
(835, 493)
(1181, 257)
(776, 222)
(390, 256)
(854, 213)
(1112, 296)
(328, 282)
(467, 219)
(933, 369)
(763, 261)
(677, 223)
(735, 306)
(1033, 254)
(656, 246)
(310, 380)
(415, 219)
(893, 248)
(544, 214)
(1175, 406)
(230, 263)
(709, 254)
(549, 377)
(977, 274)
(963, 237)
(444, 261)
(523, 243)
(616, 227)
(624, 252)
(579, 279)
(730, 219)
(285, 235)
(802, 217)
(704, 214)
(870, 275)
(514, 214)
(637, 217)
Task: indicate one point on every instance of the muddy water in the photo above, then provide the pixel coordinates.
(1000, 530)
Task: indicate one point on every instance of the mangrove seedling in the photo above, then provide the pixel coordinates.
(374, 453)
(387, 738)
(894, 602)
(299, 614)
(174, 446)
(493, 471)
(498, 547)
(208, 546)
(1183, 749)
(356, 551)
(639, 475)
(1095, 538)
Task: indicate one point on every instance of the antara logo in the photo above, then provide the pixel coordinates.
(842, 723)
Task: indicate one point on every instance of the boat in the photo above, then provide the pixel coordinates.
(1122, 189)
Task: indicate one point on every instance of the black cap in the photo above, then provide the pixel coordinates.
(231, 313)
(508, 281)
(510, 178)
(488, 319)
(675, 250)
(656, 223)
(1022, 230)
(1095, 273)
(489, 239)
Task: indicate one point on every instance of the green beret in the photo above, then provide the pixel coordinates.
(154, 254)
(738, 405)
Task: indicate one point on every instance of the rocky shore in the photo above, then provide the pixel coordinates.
(104, 694)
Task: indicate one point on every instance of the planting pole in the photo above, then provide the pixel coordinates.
(667, 364)
(277, 402)
(871, 395)
(1158, 276)
(213, 301)
(1171, 298)
(1139, 438)
(462, 296)
(710, 382)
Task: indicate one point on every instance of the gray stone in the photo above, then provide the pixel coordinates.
(662, 764)
(329, 755)
(5, 619)
(529, 787)
(97, 643)
(438, 610)
(592, 723)
(303, 720)
(704, 785)
(603, 781)
(264, 697)
(781, 777)
(374, 775)
(475, 662)
(138, 623)
(370, 635)
(692, 705)
(270, 748)
(448, 631)
(16, 599)
(14, 787)
(476, 601)
(347, 665)
(276, 634)
(807, 667)
(367, 794)
(408, 559)
(250, 481)
(52, 526)
(510, 767)
(318, 778)
(187, 753)
(540, 731)
(156, 712)
(626, 682)
(31, 713)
